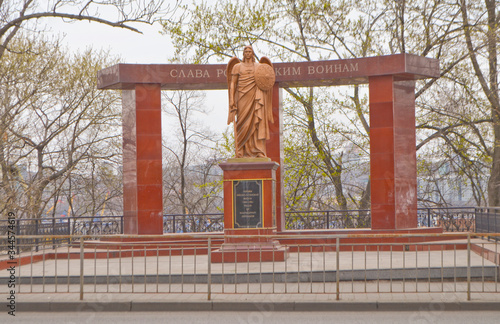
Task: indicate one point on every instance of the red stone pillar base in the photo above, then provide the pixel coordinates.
(249, 212)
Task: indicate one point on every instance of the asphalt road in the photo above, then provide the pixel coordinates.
(382, 317)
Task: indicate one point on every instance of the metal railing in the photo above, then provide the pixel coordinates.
(180, 223)
(488, 220)
(453, 219)
(66, 226)
(327, 219)
(337, 265)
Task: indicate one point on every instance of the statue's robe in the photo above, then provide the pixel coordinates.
(254, 112)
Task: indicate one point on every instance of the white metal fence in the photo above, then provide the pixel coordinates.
(333, 264)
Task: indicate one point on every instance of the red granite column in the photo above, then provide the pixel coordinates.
(274, 150)
(393, 166)
(142, 165)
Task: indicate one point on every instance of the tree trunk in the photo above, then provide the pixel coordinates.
(494, 181)
(490, 88)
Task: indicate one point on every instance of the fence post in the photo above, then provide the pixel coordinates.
(496, 229)
(327, 219)
(488, 210)
(337, 273)
(209, 267)
(53, 232)
(81, 267)
(429, 217)
(69, 229)
(475, 219)
(468, 266)
(37, 241)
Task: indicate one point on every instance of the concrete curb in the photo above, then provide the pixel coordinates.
(337, 306)
(447, 273)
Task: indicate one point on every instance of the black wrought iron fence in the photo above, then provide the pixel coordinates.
(61, 226)
(179, 223)
(488, 220)
(451, 219)
(327, 219)
(98, 226)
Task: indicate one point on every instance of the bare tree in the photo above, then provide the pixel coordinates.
(463, 35)
(16, 15)
(190, 172)
(481, 32)
(54, 120)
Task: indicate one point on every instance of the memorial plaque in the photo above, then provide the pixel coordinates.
(247, 203)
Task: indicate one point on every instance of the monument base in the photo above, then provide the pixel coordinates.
(250, 245)
(249, 212)
(249, 193)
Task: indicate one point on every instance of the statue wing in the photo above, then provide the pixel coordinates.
(269, 93)
(232, 62)
(265, 60)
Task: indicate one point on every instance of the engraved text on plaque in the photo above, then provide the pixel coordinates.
(247, 204)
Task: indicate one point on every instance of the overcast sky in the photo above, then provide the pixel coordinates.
(148, 48)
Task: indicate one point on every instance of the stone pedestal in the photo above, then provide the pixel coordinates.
(249, 212)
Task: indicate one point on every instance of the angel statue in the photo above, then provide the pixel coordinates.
(250, 102)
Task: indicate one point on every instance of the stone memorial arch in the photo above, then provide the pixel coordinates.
(391, 81)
